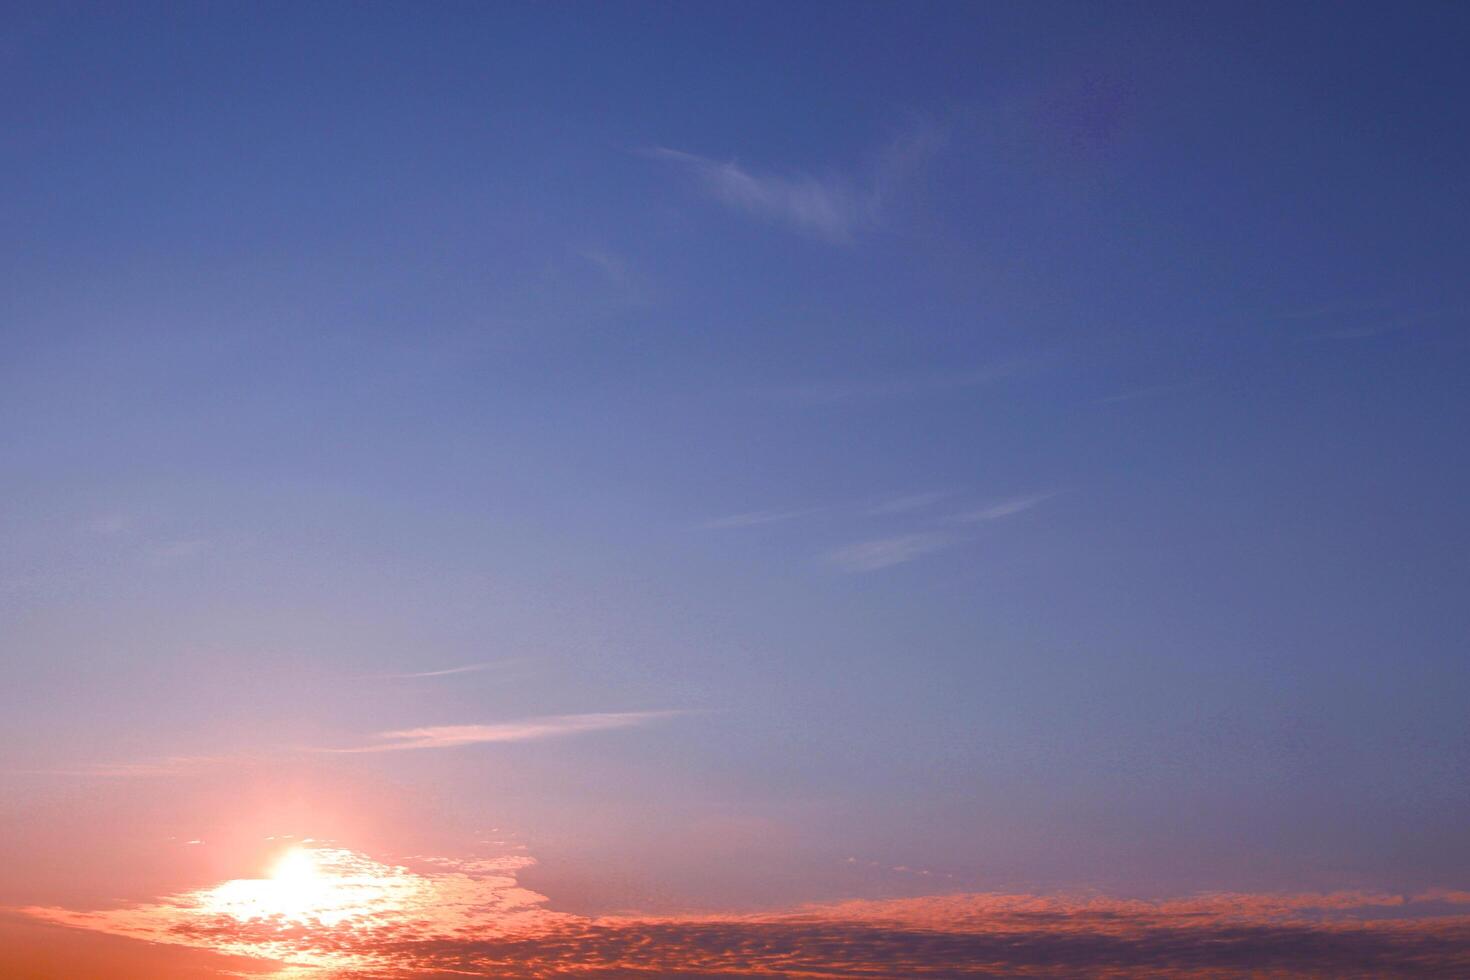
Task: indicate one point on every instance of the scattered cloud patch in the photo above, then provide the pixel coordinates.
(900, 869)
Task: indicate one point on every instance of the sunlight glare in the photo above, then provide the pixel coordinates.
(296, 864)
(302, 888)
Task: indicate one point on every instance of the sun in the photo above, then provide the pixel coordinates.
(300, 888)
(296, 865)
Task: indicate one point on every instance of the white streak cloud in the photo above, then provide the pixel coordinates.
(833, 207)
(467, 669)
(907, 503)
(829, 208)
(870, 556)
(1004, 508)
(552, 726)
(755, 518)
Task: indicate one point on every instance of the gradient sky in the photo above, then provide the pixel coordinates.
(739, 455)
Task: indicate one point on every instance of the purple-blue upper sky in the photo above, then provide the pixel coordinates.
(859, 449)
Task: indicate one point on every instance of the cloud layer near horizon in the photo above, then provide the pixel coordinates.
(473, 918)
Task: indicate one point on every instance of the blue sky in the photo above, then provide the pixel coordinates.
(1023, 443)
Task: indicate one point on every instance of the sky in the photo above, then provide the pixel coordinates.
(734, 488)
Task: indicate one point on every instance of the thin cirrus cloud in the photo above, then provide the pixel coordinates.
(176, 765)
(834, 207)
(883, 507)
(755, 518)
(830, 208)
(456, 736)
(837, 392)
(874, 554)
(1004, 508)
(402, 740)
(446, 672)
(879, 553)
(907, 503)
(1149, 391)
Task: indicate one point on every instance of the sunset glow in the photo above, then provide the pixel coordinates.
(791, 489)
(301, 889)
(329, 912)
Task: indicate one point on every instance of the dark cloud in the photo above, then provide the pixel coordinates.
(1054, 948)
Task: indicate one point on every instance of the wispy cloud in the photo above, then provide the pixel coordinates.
(610, 265)
(834, 207)
(1149, 391)
(553, 726)
(617, 275)
(148, 543)
(167, 766)
(430, 737)
(466, 669)
(755, 518)
(1004, 508)
(907, 503)
(1363, 323)
(112, 525)
(870, 556)
(1358, 333)
(181, 550)
(829, 207)
(860, 389)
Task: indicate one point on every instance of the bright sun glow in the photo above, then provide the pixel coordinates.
(296, 865)
(302, 888)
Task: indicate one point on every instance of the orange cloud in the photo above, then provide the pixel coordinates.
(333, 912)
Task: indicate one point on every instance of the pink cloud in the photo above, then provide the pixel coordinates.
(473, 918)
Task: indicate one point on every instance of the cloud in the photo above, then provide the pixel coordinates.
(467, 669)
(829, 208)
(473, 918)
(755, 518)
(167, 766)
(1004, 508)
(430, 737)
(870, 556)
(1146, 392)
(112, 525)
(1358, 333)
(1353, 324)
(907, 503)
(903, 386)
(833, 207)
(617, 275)
(552, 726)
(181, 550)
(129, 531)
(610, 265)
